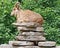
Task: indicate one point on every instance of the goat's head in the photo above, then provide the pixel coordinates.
(16, 9)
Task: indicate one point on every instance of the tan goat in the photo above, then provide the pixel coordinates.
(26, 15)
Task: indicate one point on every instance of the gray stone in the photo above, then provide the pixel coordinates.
(47, 43)
(32, 47)
(32, 33)
(20, 43)
(39, 29)
(17, 47)
(28, 47)
(27, 24)
(5, 46)
(25, 29)
(57, 46)
(31, 38)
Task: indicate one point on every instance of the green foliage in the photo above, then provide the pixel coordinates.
(49, 9)
(7, 30)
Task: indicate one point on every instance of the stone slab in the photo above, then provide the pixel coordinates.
(39, 29)
(28, 47)
(20, 43)
(32, 47)
(25, 29)
(5, 46)
(57, 46)
(31, 38)
(17, 47)
(47, 43)
(32, 33)
(27, 24)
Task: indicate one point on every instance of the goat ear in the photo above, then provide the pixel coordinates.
(17, 6)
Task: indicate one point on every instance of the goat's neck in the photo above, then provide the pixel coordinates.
(19, 14)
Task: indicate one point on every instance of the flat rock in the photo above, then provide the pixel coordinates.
(27, 24)
(5, 46)
(31, 38)
(47, 43)
(32, 33)
(39, 29)
(25, 29)
(18, 47)
(57, 46)
(20, 43)
(28, 47)
(32, 47)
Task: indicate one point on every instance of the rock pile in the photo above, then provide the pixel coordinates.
(31, 35)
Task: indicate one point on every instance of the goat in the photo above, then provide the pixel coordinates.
(26, 15)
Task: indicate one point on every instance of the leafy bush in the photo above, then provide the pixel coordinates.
(7, 30)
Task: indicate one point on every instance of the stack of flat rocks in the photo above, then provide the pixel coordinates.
(31, 35)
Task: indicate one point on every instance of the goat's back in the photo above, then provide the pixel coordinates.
(30, 16)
